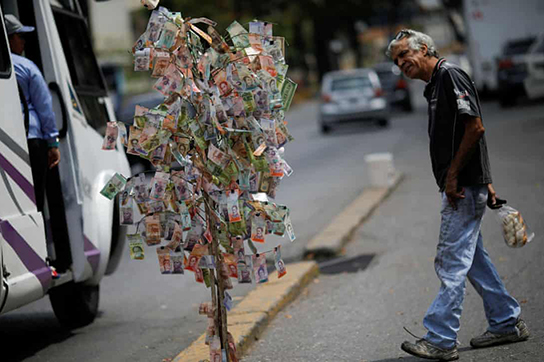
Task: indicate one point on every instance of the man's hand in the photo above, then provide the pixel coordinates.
(452, 193)
(492, 200)
(53, 157)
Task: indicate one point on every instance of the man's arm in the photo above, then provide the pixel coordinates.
(474, 130)
(43, 104)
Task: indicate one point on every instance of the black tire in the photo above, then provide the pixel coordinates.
(75, 304)
(325, 128)
(507, 100)
(407, 106)
(383, 122)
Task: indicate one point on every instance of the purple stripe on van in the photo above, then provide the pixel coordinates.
(32, 261)
(92, 253)
(19, 179)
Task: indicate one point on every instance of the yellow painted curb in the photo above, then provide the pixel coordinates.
(330, 241)
(251, 316)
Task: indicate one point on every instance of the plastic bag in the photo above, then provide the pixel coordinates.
(514, 229)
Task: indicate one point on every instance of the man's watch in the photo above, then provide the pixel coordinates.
(53, 144)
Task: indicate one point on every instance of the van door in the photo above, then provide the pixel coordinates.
(23, 249)
(83, 109)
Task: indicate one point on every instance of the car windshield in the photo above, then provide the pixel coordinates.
(387, 77)
(350, 83)
(518, 47)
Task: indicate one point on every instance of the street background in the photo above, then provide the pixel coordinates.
(146, 316)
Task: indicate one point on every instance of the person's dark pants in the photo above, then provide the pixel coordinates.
(38, 152)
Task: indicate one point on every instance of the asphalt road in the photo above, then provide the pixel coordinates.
(145, 316)
(360, 316)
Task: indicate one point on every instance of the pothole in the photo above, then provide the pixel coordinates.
(346, 264)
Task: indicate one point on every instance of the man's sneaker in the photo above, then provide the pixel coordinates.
(425, 349)
(489, 339)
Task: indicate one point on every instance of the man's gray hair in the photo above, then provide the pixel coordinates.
(415, 40)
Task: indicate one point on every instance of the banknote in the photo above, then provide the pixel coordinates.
(289, 228)
(123, 133)
(287, 93)
(114, 186)
(278, 262)
(142, 60)
(217, 156)
(168, 36)
(238, 35)
(162, 60)
(249, 102)
(165, 263)
(258, 228)
(227, 302)
(158, 186)
(259, 268)
(112, 131)
(136, 247)
(177, 264)
(255, 40)
(267, 63)
(127, 215)
(152, 230)
(233, 207)
(282, 71)
(134, 147)
(260, 27)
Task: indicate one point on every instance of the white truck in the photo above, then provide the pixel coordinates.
(80, 237)
(491, 23)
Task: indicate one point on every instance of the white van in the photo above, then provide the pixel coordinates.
(81, 237)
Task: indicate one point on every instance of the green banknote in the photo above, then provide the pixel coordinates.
(287, 93)
(114, 186)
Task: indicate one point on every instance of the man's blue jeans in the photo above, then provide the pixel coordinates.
(461, 254)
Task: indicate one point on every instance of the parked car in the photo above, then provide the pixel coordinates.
(512, 70)
(534, 83)
(394, 85)
(352, 95)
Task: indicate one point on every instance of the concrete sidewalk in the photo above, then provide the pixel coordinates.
(360, 316)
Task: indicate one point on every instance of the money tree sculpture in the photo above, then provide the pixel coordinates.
(217, 146)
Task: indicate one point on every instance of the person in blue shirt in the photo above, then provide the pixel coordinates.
(43, 142)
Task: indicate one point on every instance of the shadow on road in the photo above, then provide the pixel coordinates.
(23, 336)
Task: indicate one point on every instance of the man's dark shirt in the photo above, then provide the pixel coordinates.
(451, 94)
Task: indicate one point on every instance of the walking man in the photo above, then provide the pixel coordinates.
(460, 165)
(43, 142)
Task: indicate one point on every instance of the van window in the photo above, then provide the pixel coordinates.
(84, 71)
(5, 60)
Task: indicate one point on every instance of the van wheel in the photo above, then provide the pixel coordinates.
(325, 128)
(507, 100)
(75, 304)
(407, 106)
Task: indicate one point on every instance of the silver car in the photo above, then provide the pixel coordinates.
(352, 95)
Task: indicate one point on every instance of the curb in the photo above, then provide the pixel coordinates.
(251, 316)
(330, 241)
